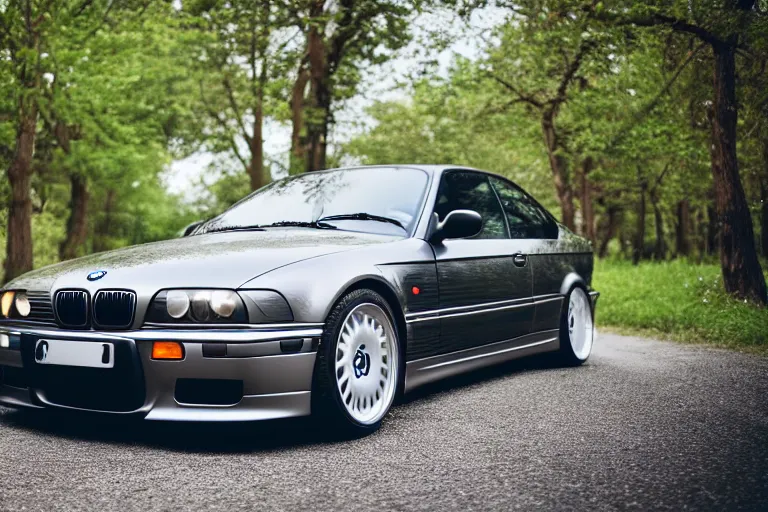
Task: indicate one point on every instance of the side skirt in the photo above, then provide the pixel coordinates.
(430, 369)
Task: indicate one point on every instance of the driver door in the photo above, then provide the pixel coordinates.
(485, 283)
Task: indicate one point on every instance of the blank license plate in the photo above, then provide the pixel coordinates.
(75, 353)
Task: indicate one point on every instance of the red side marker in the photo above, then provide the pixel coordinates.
(416, 290)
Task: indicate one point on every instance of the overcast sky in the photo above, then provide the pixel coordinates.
(381, 83)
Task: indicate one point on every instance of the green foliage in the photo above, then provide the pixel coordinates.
(456, 121)
(112, 90)
(678, 300)
(139, 84)
(636, 104)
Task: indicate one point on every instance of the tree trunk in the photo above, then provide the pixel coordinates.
(319, 94)
(742, 275)
(256, 166)
(700, 234)
(712, 231)
(610, 230)
(764, 217)
(587, 208)
(660, 247)
(764, 201)
(103, 228)
(298, 145)
(639, 243)
(318, 136)
(18, 258)
(559, 168)
(77, 223)
(258, 85)
(682, 242)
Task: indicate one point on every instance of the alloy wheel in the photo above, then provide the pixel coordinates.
(366, 363)
(580, 326)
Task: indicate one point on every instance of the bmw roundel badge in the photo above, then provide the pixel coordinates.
(96, 275)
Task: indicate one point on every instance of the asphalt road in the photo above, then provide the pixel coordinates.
(644, 425)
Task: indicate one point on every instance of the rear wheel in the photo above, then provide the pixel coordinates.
(358, 364)
(576, 328)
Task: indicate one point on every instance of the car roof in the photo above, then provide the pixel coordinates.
(430, 168)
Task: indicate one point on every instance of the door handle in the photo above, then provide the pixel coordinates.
(519, 260)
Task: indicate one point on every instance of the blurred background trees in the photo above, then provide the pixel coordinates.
(642, 125)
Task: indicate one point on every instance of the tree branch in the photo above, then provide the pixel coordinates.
(223, 124)
(660, 177)
(104, 19)
(347, 25)
(648, 108)
(656, 19)
(233, 104)
(521, 97)
(570, 71)
(83, 7)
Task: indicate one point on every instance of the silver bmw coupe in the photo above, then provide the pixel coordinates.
(328, 293)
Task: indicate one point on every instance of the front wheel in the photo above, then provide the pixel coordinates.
(577, 328)
(358, 364)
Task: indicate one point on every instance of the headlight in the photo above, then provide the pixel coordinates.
(177, 303)
(6, 302)
(22, 304)
(197, 306)
(201, 306)
(224, 302)
(218, 307)
(15, 304)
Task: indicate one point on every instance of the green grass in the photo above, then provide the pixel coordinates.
(677, 300)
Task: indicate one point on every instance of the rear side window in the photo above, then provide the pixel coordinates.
(471, 191)
(525, 217)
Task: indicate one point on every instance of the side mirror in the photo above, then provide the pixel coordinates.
(457, 224)
(189, 229)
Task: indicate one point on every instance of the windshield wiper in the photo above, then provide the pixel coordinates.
(280, 224)
(364, 216)
(316, 224)
(221, 229)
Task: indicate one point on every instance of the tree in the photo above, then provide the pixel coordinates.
(242, 67)
(542, 80)
(31, 34)
(738, 25)
(23, 26)
(116, 101)
(458, 120)
(341, 38)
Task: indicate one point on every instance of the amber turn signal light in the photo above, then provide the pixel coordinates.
(168, 350)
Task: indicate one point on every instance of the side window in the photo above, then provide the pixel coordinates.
(525, 217)
(471, 191)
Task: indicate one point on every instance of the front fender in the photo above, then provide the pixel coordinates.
(312, 286)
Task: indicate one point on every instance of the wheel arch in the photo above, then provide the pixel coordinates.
(571, 280)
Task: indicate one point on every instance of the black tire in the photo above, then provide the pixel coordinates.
(566, 355)
(328, 409)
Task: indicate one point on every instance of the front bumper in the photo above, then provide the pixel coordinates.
(272, 367)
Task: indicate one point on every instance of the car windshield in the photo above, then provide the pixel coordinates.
(375, 200)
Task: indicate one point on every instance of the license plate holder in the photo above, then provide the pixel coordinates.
(88, 354)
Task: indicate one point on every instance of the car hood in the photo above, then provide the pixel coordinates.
(217, 260)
